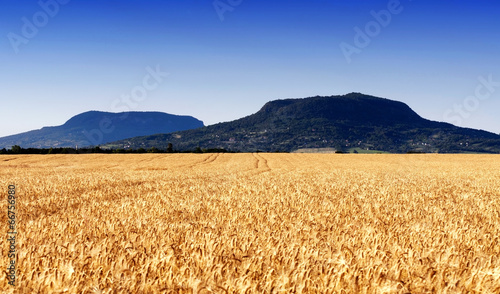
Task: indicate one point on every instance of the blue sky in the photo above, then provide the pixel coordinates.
(439, 57)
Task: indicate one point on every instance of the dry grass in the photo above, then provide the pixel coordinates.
(226, 223)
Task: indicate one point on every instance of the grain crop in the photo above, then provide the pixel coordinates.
(254, 223)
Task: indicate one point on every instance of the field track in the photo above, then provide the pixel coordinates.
(261, 223)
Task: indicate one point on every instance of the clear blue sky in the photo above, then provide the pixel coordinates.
(222, 65)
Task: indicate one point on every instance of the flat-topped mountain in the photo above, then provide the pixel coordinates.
(97, 127)
(349, 122)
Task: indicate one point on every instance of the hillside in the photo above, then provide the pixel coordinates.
(342, 122)
(96, 127)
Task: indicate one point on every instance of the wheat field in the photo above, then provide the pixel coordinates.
(254, 223)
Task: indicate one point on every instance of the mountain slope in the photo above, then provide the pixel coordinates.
(96, 127)
(341, 122)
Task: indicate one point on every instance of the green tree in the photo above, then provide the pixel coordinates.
(170, 148)
(16, 149)
(153, 150)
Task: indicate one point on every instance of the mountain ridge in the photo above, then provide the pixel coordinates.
(343, 122)
(98, 127)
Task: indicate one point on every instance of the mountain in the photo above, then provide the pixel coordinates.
(96, 127)
(349, 122)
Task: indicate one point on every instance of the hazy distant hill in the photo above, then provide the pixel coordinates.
(341, 122)
(96, 127)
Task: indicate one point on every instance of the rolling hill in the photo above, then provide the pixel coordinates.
(96, 127)
(349, 122)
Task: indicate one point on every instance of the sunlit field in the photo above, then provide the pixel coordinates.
(253, 223)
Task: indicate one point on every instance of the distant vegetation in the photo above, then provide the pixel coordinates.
(91, 150)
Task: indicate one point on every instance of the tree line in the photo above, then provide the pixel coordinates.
(16, 149)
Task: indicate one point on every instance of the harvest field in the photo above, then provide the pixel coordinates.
(254, 223)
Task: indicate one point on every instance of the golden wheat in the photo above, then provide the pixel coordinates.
(254, 223)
